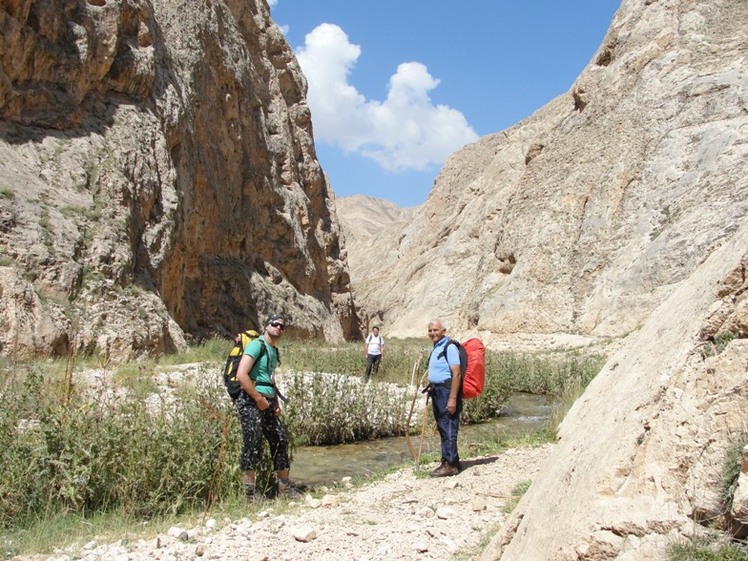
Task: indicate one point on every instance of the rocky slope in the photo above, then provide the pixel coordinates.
(403, 517)
(368, 225)
(575, 224)
(615, 213)
(158, 177)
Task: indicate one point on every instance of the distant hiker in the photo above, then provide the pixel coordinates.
(259, 409)
(446, 400)
(374, 350)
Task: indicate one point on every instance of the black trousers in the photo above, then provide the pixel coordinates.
(372, 363)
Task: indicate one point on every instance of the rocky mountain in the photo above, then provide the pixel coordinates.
(574, 225)
(158, 178)
(615, 213)
(368, 225)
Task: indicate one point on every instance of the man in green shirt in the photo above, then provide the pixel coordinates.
(259, 409)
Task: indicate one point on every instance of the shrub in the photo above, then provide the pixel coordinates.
(702, 550)
(334, 409)
(145, 457)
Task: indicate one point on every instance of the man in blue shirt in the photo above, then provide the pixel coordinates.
(446, 398)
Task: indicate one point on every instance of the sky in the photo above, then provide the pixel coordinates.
(396, 86)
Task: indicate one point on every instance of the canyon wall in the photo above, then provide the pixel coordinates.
(158, 180)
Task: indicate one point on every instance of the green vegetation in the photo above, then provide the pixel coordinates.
(332, 409)
(6, 193)
(562, 376)
(517, 493)
(714, 549)
(45, 223)
(717, 345)
(705, 550)
(141, 450)
(731, 470)
(63, 452)
(70, 211)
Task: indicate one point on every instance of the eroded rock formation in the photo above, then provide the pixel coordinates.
(158, 176)
(574, 225)
(616, 212)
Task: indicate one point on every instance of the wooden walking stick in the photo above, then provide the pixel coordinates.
(423, 431)
(412, 407)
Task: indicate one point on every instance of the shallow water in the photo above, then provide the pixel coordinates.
(319, 465)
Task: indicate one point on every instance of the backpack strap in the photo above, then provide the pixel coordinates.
(272, 384)
(444, 354)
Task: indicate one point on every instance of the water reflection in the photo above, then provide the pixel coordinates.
(319, 465)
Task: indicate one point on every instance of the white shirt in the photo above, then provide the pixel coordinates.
(375, 344)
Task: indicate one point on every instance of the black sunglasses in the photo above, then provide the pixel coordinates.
(279, 325)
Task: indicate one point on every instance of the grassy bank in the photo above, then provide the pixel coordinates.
(145, 443)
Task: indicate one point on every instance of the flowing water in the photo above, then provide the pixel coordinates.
(319, 465)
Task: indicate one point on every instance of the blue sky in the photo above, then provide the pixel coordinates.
(396, 86)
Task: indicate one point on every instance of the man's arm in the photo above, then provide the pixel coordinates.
(454, 389)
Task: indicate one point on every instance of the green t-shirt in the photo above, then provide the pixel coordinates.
(262, 370)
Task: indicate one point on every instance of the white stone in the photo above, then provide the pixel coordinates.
(330, 500)
(446, 513)
(304, 533)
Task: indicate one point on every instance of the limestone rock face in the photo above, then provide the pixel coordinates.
(158, 177)
(640, 456)
(617, 211)
(575, 224)
(368, 225)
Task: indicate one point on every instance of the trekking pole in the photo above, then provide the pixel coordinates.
(412, 407)
(423, 432)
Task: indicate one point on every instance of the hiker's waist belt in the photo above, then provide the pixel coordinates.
(278, 393)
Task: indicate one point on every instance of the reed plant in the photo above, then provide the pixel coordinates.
(334, 409)
(138, 446)
(62, 452)
(349, 358)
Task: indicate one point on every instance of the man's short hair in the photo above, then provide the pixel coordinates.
(440, 322)
(275, 317)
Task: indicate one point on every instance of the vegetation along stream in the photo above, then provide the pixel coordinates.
(524, 414)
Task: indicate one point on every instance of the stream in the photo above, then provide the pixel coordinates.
(323, 465)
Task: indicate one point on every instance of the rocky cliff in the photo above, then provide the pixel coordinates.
(158, 177)
(615, 213)
(574, 225)
(369, 225)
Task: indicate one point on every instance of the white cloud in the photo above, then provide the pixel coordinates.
(406, 131)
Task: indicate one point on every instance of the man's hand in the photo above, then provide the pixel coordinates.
(262, 403)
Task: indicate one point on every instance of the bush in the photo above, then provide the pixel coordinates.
(558, 377)
(143, 457)
(334, 409)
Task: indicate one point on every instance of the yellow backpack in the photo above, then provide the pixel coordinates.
(232, 362)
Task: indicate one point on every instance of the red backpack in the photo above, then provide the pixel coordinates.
(472, 365)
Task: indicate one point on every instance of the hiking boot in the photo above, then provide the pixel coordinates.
(445, 470)
(253, 496)
(433, 472)
(286, 490)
